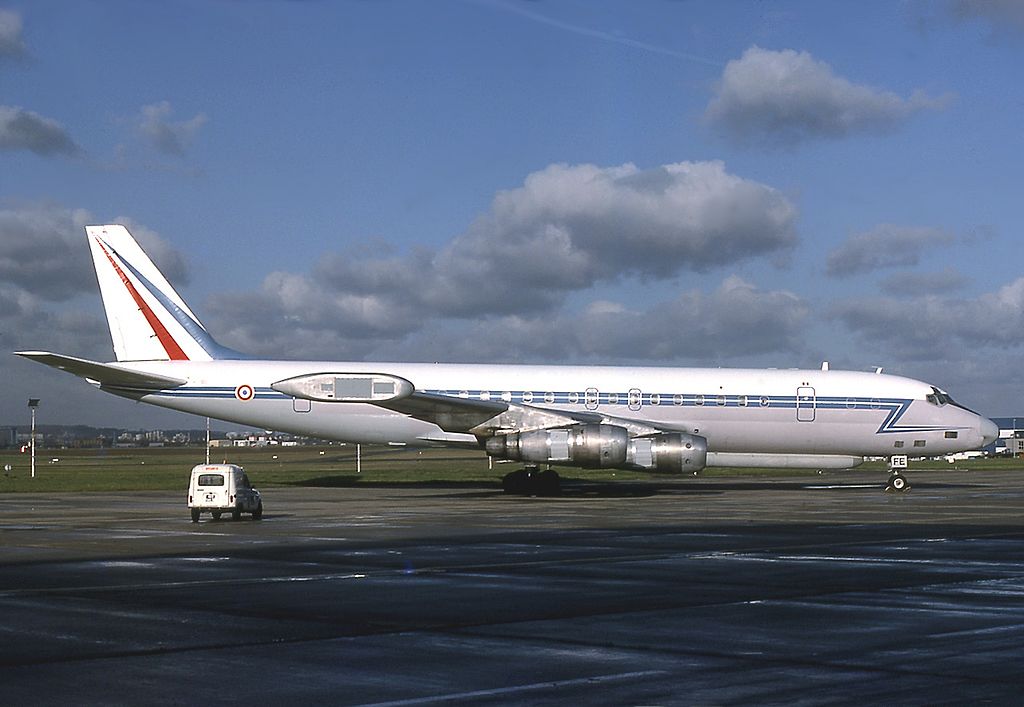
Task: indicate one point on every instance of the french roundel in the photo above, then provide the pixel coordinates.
(244, 392)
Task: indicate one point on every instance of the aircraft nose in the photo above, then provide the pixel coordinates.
(989, 431)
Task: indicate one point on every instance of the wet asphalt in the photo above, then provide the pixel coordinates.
(820, 590)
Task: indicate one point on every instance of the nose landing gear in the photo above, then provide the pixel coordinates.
(897, 481)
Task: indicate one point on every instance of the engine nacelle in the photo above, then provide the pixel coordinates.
(599, 446)
(668, 453)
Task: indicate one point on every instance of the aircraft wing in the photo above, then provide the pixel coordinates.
(489, 417)
(108, 376)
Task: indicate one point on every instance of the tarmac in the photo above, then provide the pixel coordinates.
(810, 590)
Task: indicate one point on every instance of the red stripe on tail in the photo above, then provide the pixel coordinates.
(174, 352)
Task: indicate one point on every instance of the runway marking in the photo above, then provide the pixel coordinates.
(824, 487)
(184, 584)
(519, 689)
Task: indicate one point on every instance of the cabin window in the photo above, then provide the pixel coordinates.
(677, 399)
(655, 399)
(898, 444)
(699, 400)
(574, 398)
(720, 401)
(528, 396)
(485, 395)
(549, 398)
(952, 434)
(851, 403)
(919, 442)
(742, 401)
(507, 396)
(613, 398)
(765, 401)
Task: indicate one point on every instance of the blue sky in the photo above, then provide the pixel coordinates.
(665, 183)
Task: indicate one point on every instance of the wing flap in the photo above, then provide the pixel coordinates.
(448, 413)
(485, 418)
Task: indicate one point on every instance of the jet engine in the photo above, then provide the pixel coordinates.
(600, 446)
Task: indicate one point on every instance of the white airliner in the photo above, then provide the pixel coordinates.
(673, 420)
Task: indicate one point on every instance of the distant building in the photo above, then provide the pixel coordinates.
(1011, 435)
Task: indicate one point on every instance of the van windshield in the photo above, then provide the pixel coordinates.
(211, 480)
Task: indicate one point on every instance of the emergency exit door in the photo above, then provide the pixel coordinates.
(805, 404)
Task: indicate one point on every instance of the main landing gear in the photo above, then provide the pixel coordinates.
(897, 481)
(531, 481)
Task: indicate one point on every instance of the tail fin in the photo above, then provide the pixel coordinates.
(148, 320)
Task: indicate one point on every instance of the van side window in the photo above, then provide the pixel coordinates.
(244, 482)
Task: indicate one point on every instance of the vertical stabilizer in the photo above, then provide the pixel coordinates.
(148, 320)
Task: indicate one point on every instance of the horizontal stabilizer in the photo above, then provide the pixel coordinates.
(105, 374)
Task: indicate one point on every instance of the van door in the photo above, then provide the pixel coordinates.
(212, 489)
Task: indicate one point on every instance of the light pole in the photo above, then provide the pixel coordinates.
(33, 403)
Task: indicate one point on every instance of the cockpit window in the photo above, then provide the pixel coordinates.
(938, 397)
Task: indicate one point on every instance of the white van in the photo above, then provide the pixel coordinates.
(220, 488)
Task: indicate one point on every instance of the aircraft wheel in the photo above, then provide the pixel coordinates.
(516, 482)
(898, 482)
(547, 483)
(195, 515)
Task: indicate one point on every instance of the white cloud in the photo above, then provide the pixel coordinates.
(44, 253)
(913, 284)
(928, 327)
(12, 45)
(22, 129)
(786, 97)
(885, 246)
(170, 138)
(736, 319)
(566, 229)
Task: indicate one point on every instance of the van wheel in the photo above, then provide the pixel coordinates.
(215, 514)
(195, 515)
(258, 513)
(236, 514)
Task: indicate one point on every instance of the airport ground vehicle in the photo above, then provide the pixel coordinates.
(222, 488)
